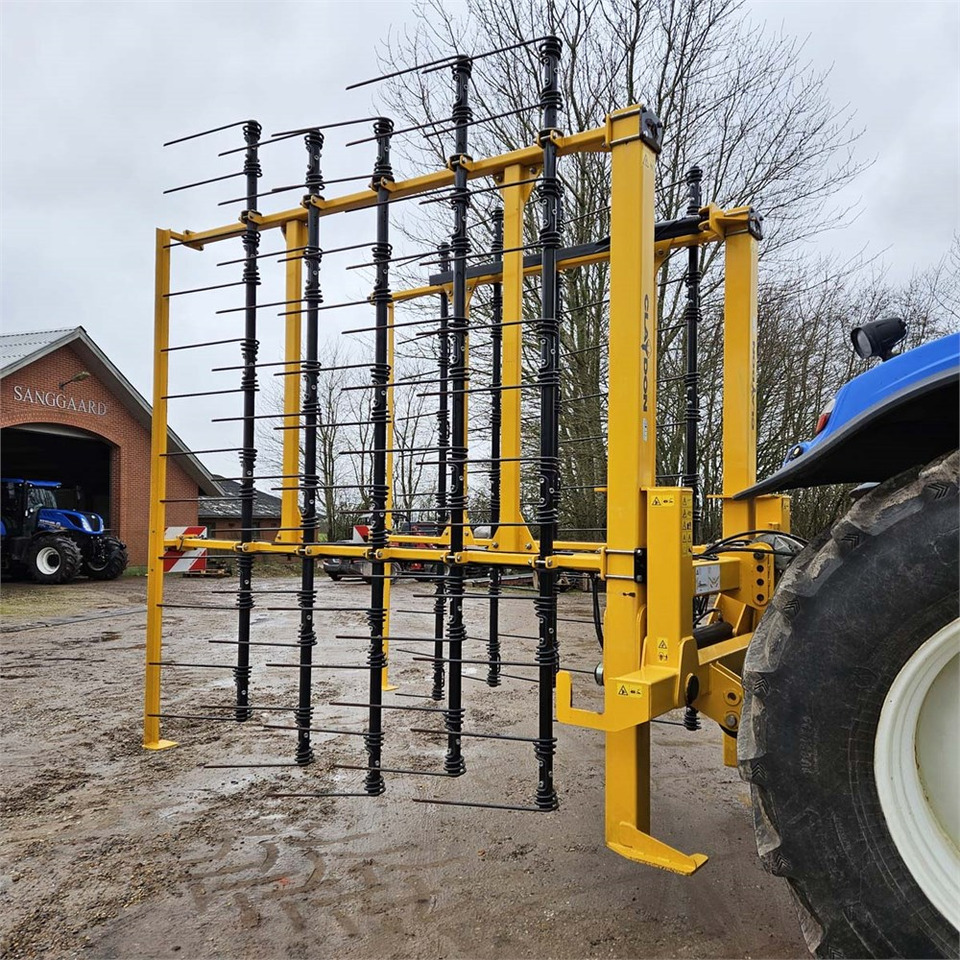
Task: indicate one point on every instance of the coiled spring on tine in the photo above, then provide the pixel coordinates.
(249, 348)
(453, 763)
(548, 380)
(310, 408)
(373, 783)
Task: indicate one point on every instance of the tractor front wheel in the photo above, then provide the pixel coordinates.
(109, 563)
(53, 560)
(849, 730)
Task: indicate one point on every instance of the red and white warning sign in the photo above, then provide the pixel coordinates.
(184, 561)
(361, 533)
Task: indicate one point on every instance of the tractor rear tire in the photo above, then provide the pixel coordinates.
(115, 563)
(53, 559)
(851, 618)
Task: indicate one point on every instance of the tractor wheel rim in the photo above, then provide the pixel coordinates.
(48, 560)
(917, 771)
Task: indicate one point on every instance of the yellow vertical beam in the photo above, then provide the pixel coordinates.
(158, 491)
(739, 381)
(388, 519)
(296, 236)
(669, 575)
(515, 196)
(631, 459)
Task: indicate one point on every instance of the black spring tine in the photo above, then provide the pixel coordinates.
(403, 259)
(474, 596)
(319, 188)
(395, 770)
(201, 183)
(474, 122)
(478, 190)
(262, 143)
(400, 73)
(216, 286)
(286, 253)
(233, 706)
(267, 476)
(345, 733)
(261, 256)
(396, 326)
(261, 306)
(470, 733)
(598, 346)
(195, 346)
(254, 643)
(482, 663)
(482, 806)
(193, 606)
(485, 254)
(303, 366)
(318, 795)
(202, 393)
(509, 676)
(322, 666)
(326, 126)
(193, 453)
(248, 766)
(330, 306)
(392, 639)
(177, 663)
(491, 53)
(191, 716)
(518, 386)
(205, 133)
(584, 306)
(386, 706)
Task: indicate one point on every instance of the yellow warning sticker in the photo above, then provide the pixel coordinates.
(662, 501)
(630, 690)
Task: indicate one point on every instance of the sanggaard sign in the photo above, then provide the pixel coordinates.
(51, 398)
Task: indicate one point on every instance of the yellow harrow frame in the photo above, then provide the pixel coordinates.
(651, 662)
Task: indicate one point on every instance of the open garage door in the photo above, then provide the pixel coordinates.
(79, 460)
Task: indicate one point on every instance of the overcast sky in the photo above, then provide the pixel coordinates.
(89, 91)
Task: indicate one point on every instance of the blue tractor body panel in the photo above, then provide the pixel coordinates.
(48, 519)
(44, 484)
(891, 417)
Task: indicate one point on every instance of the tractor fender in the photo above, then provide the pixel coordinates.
(884, 421)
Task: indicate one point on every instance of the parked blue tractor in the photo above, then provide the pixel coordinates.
(49, 544)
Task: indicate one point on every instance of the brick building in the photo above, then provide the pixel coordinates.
(68, 414)
(222, 517)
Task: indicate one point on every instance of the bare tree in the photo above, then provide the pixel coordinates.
(745, 108)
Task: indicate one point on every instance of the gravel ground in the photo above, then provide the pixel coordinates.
(113, 852)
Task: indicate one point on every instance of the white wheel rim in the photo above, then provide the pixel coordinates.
(48, 560)
(917, 769)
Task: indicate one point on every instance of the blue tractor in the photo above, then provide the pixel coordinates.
(51, 545)
(848, 736)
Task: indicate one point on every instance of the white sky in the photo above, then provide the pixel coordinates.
(89, 91)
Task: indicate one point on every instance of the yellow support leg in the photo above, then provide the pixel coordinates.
(158, 491)
(296, 236)
(631, 468)
(515, 192)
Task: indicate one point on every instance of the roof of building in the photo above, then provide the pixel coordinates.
(265, 506)
(19, 350)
